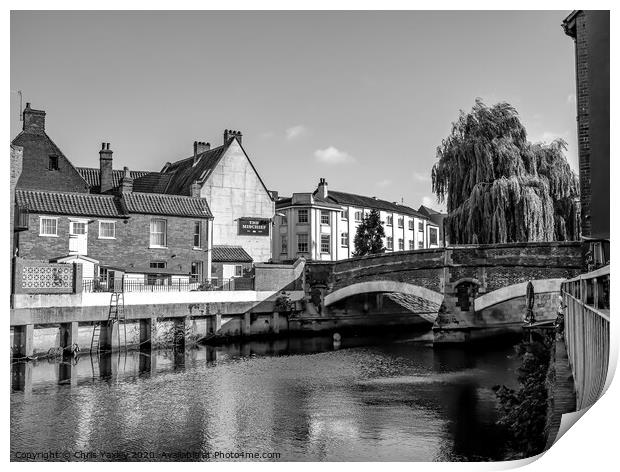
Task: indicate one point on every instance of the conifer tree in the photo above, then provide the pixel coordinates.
(369, 235)
(501, 188)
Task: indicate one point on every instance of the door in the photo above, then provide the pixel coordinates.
(78, 237)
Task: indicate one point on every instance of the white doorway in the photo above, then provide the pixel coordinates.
(78, 237)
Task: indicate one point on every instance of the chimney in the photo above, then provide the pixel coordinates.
(105, 169)
(229, 134)
(126, 181)
(199, 148)
(322, 188)
(34, 120)
(194, 189)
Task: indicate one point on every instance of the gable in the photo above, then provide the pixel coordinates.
(36, 173)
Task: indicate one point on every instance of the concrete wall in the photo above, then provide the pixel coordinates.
(41, 277)
(234, 190)
(279, 277)
(130, 248)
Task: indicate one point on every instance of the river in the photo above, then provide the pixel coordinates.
(363, 399)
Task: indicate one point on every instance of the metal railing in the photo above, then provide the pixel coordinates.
(586, 331)
(97, 284)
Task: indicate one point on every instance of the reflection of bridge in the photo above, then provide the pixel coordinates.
(466, 290)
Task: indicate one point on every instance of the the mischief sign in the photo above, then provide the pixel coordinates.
(254, 226)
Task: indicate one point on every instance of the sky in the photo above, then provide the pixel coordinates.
(362, 99)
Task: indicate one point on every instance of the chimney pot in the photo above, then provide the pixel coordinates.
(34, 120)
(106, 182)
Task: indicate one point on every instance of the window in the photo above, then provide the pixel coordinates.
(401, 244)
(390, 242)
(197, 234)
(401, 221)
(53, 163)
(324, 217)
(411, 225)
(77, 227)
(420, 244)
(48, 227)
(283, 221)
(325, 243)
(421, 226)
(344, 239)
(432, 236)
(411, 245)
(358, 216)
(107, 230)
(302, 216)
(158, 279)
(157, 265)
(195, 274)
(345, 214)
(284, 245)
(390, 220)
(302, 242)
(238, 271)
(158, 233)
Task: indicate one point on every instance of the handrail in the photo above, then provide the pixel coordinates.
(590, 275)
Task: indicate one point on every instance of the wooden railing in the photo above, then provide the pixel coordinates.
(586, 331)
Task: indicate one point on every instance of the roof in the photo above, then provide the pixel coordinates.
(61, 203)
(230, 254)
(428, 211)
(171, 205)
(318, 201)
(91, 175)
(151, 270)
(183, 173)
(351, 199)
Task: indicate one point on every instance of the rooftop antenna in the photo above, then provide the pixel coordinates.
(21, 115)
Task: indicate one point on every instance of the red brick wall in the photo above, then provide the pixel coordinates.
(131, 246)
(36, 174)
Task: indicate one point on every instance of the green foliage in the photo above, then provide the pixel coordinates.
(369, 235)
(283, 303)
(501, 188)
(524, 411)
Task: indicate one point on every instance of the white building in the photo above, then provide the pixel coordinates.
(321, 225)
(242, 206)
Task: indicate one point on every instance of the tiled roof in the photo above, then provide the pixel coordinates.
(91, 175)
(184, 172)
(171, 205)
(152, 182)
(230, 254)
(78, 204)
(288, 201)
(360, 201)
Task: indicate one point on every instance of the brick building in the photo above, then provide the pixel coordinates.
(112, 222)
(590, 31)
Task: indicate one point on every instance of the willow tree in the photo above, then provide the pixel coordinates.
(501, 188)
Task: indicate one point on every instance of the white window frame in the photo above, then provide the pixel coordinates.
(238, 271)
(433, 229)
(390, 243)
(284, 220)
(303, 211)
(389, 220)
(401, 221)
(411, 245)
(284, 244)
(329, 244)
(48, 235)
(401, 244)
(99, 235)
(199, 223)
(411, 225)
(299, 235)
(165, 233)
(325, 213)
(344, 239)
(358, 216)
(345, 214)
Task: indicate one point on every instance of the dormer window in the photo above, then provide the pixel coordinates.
(53, 163)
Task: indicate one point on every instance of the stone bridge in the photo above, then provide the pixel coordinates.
(466, 291)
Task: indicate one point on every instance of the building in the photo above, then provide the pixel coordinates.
(321, 225)
(243, 208)
(112, 222)
(590, 31)
(436, 217)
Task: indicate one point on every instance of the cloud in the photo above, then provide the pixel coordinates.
(548, 137)
(331, 155)
(422, 177)
(384, 183)
(295, 132)
(266, 135)
(431, 202)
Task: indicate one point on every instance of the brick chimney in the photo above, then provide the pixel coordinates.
(321, 190)
(229, 134)
(194, 189)
(126, 181)
(199, 148)
(105, 169)
(34, 120)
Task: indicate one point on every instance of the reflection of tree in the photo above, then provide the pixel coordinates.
(524, 411)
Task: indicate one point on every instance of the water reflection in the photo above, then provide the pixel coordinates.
(367, 398)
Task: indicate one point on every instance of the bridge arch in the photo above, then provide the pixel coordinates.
(383, 286)
(516, 290)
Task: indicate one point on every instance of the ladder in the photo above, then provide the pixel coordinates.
(116, 313)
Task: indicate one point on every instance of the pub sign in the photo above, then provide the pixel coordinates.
(254, 226)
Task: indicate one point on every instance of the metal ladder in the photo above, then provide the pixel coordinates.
(116, 313)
